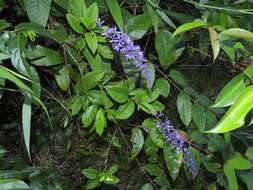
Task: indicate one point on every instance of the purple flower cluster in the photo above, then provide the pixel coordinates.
(123, 44)
(177, 142)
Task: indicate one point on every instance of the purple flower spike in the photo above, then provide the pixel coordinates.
(123, 44)
(177, 142)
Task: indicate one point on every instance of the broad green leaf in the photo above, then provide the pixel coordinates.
(163, 85)
(4, 24)
(156, 137)
(99, 97)
(62, 78)
(188, 26)
(113, 169)
(91, 40)
(125, 111)
(92, 79)
(212, 187)
(137, 26)
(13, 184)
(184, 108)
(153, 17)
(234, 117)
(138, 141)
(92, 184)
(4, 56)
(105, 52)
(41, 56)
(163, 182)
(109, 179)
(76, 104)
(89, 115)
(166, 19)
(100, 122)
(230, 92)
(199, 116)
(230, 174)
(147, 186)
(238, 162)
(118, 92)
(178, 77)
(38, 10)
(214, 38)
(90, 16)
(26, 122)
(75, 23)
(153, 169)
(247, 178)
(115, 11)
(249, 153)
(77, 8)
(173, 161)
(166, 48)
(90, 173)
(238, 33)
(249, 70)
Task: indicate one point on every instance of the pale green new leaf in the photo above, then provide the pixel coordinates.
(234, 117)
(214, 38)
(230, 92)
(230, 174)
(238, 33)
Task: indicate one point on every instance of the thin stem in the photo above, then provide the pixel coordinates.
(138, 162)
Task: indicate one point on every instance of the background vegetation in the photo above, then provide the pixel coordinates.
(75, 114)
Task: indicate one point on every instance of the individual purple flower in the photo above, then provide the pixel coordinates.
(123, 44)
(177, 142)
(99, 22)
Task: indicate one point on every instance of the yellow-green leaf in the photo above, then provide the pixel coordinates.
(214, 38)
(234, 118)
(238, 33)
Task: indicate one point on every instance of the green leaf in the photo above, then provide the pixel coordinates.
(75, 23)
(92, 79)
(153, 17)
(99, 97)
(109, 179)
(38, 10)
(166, 19)
(167, 48)
(125, 110)
(163, 85)
(89, 115)
(26, 122)
(156, 137)
(41, 56)
(77, 8)
(118, 92)
(91, 184)
(234, 117)
(238, 33)
(212, 187)
(238, 162)
(100, 122)
(230, 92)
(153, 169)
(249, 153)
(113, 169)
(188, 26)
(184, 108)
(199, 117)
(147, 186)
(92, 42)
(13, 184)
(173, 161)
(214, 38)
(249, 70)
(62, 78)
(138, 141)
(137, 26)
(247, 178)
(178, 77)
(91, 173)
(115, 11)
(230, 174)
(90, 16)
(105, 52)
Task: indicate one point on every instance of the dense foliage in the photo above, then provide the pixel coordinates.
(126, 94)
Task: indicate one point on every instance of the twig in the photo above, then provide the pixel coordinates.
(138, 162)
(108, 149)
